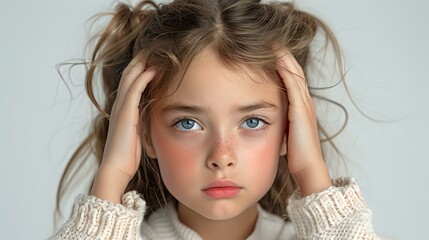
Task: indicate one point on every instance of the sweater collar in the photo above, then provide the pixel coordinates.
(185, 232)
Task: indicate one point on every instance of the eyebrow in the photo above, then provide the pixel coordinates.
(256, 106)
(195, 109)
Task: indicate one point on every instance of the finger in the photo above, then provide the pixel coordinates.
(295, 71)
(129, 75)
(294, 85)
(297, 91)
(133, 97)
(299, 73)
(291, 63)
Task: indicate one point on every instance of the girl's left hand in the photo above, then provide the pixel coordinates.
(304, 153)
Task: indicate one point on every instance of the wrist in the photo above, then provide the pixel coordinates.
(313, 179)
(109, 185)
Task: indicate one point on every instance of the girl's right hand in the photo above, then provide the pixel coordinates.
(123, 147)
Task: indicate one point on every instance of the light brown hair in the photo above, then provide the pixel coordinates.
(169, 36)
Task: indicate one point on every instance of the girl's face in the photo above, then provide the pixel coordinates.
(218, 138)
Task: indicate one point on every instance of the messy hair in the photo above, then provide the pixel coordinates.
(241, 33)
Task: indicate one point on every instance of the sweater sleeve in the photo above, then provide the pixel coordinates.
(93, 218)
(339, 212)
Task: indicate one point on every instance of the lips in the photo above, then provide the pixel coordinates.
(222, 189)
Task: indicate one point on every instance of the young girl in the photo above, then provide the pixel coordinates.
(208, 129)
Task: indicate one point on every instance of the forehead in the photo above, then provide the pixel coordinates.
(207, 75)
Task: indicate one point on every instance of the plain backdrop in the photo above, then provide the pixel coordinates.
(42, 120)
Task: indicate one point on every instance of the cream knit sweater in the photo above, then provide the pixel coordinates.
(339, 212)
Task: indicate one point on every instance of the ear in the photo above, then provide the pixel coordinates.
(148, 147)
(283, 147)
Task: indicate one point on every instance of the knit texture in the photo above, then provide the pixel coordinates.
(339, 212)
(93, 218)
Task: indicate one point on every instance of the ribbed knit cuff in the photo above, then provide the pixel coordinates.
(320, 211)
(94, 218)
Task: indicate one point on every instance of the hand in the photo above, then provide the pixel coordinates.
(123, 147)
(304, 154)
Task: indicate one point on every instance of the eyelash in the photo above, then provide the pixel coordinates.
(180, 120)
(259, 118)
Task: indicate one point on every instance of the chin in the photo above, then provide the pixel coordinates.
(221, 211)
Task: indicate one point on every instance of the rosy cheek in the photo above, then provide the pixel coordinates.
(178, 158)
(264, 154)
(262, 159)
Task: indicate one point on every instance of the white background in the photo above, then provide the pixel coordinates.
(385, 44)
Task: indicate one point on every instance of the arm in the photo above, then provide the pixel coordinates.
(123, 149)
(94, 218)
(338, 212)
(304, 153)
(321, 208)
(101, 216)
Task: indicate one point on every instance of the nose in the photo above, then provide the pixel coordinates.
(222, 154)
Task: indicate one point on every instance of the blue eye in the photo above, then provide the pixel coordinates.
(187, 124)
(253, 123)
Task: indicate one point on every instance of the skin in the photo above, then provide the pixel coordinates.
(221, 149)
(220, 145)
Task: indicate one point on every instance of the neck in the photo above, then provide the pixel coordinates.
(239, 227)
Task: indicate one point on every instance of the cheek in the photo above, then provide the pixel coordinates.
(262, 158)
(178, 160)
